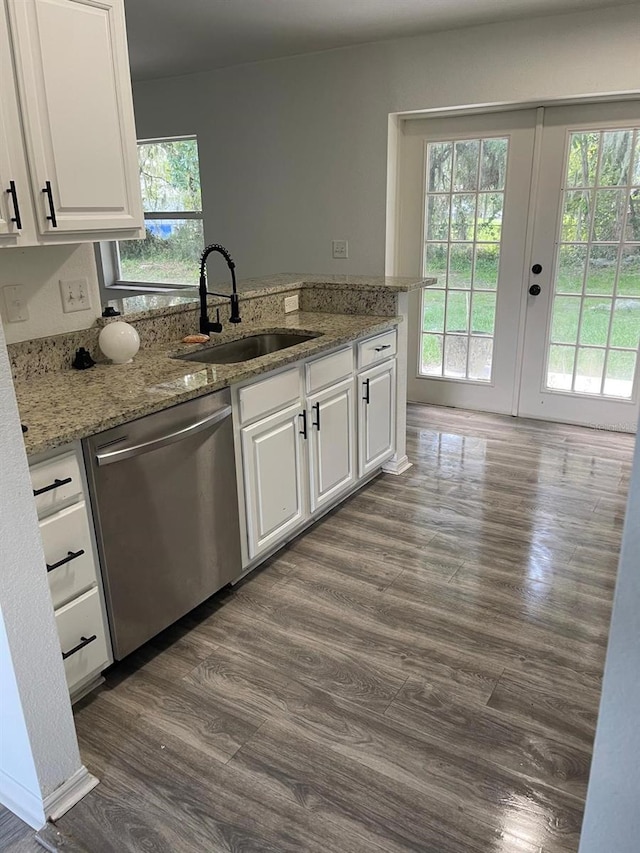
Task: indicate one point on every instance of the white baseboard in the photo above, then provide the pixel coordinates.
(397, 466)
(69, 793)
(23, 803)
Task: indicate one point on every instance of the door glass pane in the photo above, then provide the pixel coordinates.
(570, 269)
(439, 166)
(598, 261)
(460, 265)
(566, 319)
(433, 310)
(465, 173)
(483, 314)
(493, 167)
(615, 158)
(485, 275)
(560, 368)
(465, 189)
(463, 216)
(589, 368)
(432, 346)
(602, 269)
(576, 221)
(455, 356)
(620, 372)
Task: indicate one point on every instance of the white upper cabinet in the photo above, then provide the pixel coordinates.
(78, 132)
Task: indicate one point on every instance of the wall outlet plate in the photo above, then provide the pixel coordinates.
(15, 302)
(340, 249)
(75, 295)
(291, 303)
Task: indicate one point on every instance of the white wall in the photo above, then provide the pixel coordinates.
(293, 152)
(38, 746)
(612, 815)
(40, 269)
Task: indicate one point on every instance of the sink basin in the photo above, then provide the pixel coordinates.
(247, 348)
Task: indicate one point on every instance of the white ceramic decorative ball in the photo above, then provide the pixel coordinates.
(119, 341)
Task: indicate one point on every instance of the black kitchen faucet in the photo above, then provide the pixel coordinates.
(206, 326)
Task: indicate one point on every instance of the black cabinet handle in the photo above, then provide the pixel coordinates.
(56, 483)
(16, 208)
(366, 392)
(303, 415)
(316, 423)
(84, 642)
(71, 555)
(49, 193)
(384, 346)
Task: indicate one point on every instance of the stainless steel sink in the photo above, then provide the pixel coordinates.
(247, 348)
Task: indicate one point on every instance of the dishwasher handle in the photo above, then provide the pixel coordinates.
(163, 440)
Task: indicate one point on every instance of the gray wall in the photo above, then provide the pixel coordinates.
(612, 817)
(294, 151)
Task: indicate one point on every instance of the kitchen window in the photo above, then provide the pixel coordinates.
(169, 255)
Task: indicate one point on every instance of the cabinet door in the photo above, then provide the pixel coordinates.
(331, 442)
(75, 98)
(273, 464)
(377, 424)
(16, 215)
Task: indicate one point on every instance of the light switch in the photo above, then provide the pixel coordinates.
(16, 303)
(75, 295)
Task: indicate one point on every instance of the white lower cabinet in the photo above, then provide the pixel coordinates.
(272, 459)
(377, 421)
(332, 432)
(71, 563)
(298, 457)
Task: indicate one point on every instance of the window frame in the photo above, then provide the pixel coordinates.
(107, 252)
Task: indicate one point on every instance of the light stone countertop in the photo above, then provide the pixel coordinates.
(65, 406)
(143, 306)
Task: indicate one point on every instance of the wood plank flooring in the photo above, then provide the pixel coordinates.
(419, 672)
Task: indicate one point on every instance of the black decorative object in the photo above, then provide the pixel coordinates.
(82, 359)
(110, 311)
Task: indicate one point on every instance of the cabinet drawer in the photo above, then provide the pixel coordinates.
(329, 369)
(377, 349)
(269, 395)
(67, 549)
(78, 621)
(57, 480)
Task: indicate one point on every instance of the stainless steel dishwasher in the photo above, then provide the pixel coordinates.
(163, 491)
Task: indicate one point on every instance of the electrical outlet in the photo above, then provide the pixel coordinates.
(340, 249)
(75, 295)
(291, 303)
(16, 303)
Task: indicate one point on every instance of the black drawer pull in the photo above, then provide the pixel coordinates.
(303, 431)
(16, 208)
(56, 484)
(366, 392)
(316, 423)
(384, 346)
(84, 642)
(71, 555)
(52, 211)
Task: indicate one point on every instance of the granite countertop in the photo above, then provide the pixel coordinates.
(136, 307)
(62, 407)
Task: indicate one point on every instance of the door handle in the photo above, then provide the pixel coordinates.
(303, 415)
(52, 211)
(316, 423)
(535, 290)
(366, 388)
(164, 440)
(16, 207)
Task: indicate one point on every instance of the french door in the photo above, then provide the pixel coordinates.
(533, 231)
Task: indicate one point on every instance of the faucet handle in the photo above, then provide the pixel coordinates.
(217, 326)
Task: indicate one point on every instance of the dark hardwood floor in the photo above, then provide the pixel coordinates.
(419, 672)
